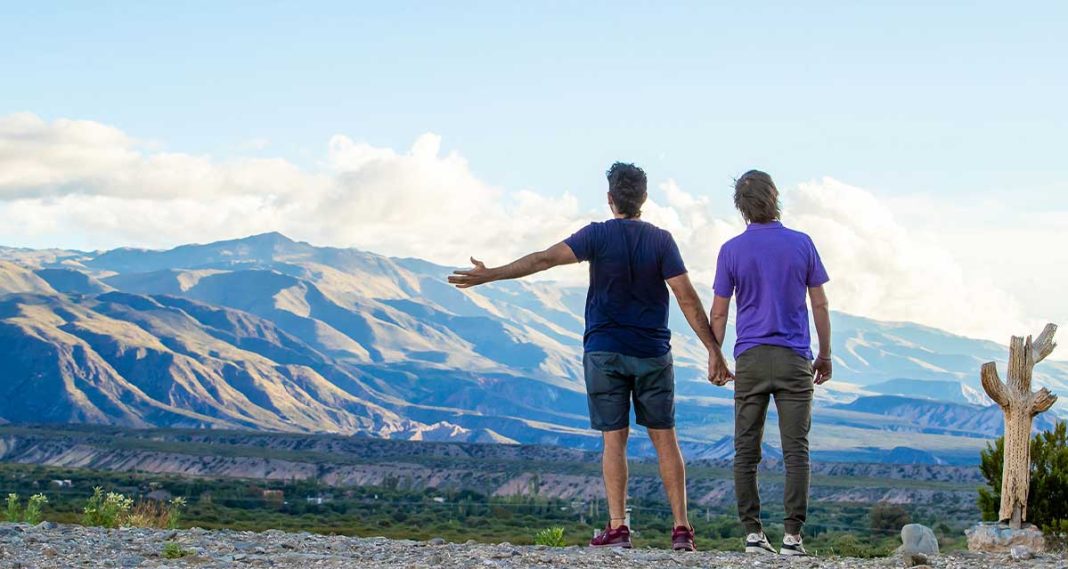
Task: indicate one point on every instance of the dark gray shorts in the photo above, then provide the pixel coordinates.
(613, 380)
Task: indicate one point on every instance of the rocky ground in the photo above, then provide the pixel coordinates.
(64, 546)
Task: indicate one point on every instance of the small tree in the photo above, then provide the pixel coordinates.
(1047, 502)
(886, 517)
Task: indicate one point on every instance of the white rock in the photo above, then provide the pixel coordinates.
(917, 538)
(999, 538)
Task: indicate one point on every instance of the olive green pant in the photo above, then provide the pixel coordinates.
(762, 373)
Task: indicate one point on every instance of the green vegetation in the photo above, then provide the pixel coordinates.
(106, 510)
(1047, 499)
(32, 514)
(888, 517)
(551, 537)
(172, 550)
(394, 511)
(13, 512)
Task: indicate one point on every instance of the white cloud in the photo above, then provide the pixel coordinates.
(83, 184)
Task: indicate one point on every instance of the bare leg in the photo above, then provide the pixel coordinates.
(614, 466)
(672, 472)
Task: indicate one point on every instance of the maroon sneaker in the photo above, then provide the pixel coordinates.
(682, 539)
(618, 537)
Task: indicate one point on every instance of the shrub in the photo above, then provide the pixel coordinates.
(849, 545)
(150, 514)
(1047, 498)
(13, 513)
(174, 512)
(551, 537)
(106, 510)
(154, 514)
(32, 515)
(172, 550)
(886, 517)
(1057, 536)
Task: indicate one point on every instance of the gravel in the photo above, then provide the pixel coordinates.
(64, 546)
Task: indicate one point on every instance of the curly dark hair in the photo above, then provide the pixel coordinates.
(628, 187)
(756, 196)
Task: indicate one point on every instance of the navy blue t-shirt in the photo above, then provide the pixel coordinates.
(627, 304)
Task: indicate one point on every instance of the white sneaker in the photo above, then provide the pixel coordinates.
(758, 543)
(791, 545)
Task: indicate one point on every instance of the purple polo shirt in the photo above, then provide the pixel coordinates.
(770, 269)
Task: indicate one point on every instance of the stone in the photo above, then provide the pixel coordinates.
(131, 561)
(918, 538)
(1021, 553)
(437, 541)
(914, 559)
(46, 525)
(997, 537)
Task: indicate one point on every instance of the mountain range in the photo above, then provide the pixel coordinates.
(267, 333)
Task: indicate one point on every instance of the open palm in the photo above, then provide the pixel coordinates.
(474, 276)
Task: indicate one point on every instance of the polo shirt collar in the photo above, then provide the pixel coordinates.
(755, 226)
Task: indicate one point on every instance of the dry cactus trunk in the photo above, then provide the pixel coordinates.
(1020, 406)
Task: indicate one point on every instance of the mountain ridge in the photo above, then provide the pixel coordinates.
(270, 333)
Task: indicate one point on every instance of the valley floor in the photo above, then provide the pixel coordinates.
(50, 546)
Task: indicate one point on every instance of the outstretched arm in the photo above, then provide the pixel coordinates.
(821, 315)
(694, 311)
(559, 254)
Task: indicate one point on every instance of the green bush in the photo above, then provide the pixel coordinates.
(551, 537)
(886, 517)
(13, 513)
(106, 510)
(850, 545)
(172, 550)
(1047, 498)
(32, 515)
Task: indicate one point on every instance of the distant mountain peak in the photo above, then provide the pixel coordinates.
(269, 237)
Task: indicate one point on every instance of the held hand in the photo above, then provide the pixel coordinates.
(821, 370)
(718, 372)
(475, 276)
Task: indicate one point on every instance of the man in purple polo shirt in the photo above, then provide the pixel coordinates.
(769, 269)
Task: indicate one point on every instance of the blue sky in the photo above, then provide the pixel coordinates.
(921, 144)
(922, 97)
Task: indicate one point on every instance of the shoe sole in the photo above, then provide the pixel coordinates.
(611, 545)
(791, 553)
(760, 550)
(683, 548)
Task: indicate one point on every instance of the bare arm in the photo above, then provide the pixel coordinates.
(559, 254)
(721, 308)
(694, 311)
(821, 315)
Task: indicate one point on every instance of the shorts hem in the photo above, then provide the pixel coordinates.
(656, 425)
(606, 428)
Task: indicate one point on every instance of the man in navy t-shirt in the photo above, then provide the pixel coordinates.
(627, 342)
(770, 270)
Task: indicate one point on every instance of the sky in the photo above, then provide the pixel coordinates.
(921, 144)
